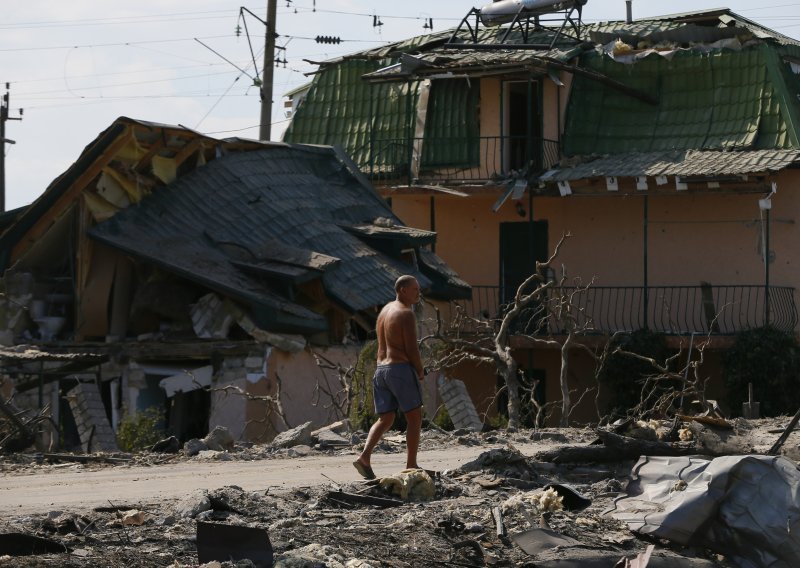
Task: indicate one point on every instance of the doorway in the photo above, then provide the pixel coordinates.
(521, 245)
(521, 123)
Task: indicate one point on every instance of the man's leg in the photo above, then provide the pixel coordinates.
(377, 431)
(413, 428)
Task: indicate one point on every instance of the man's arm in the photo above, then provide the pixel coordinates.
(381, 333)
(409, 326)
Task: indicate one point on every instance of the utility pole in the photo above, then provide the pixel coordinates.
(267, 73)
(3, 141)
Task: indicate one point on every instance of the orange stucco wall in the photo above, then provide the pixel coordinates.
(713, 238)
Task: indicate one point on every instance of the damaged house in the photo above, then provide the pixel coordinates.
(668, 147)
(164, 261)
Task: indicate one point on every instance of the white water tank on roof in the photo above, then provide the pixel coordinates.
(504, 11)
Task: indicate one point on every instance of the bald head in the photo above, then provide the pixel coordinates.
(403, 281)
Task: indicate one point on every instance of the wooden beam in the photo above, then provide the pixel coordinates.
(44, 223)
(144, 162)
(187, 151)
(603, 79)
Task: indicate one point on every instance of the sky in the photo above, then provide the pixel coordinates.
(74, 67)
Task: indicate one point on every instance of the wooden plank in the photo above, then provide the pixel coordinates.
(43, 224)
(187, 151)
(93, 298)
(144, 163)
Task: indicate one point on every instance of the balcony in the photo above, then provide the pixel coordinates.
(674, 310)
(454, 161)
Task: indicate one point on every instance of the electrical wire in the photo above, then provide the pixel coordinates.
(149, 19)
(116, 44)
(388, 17)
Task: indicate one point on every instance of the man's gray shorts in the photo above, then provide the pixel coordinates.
(396, 386)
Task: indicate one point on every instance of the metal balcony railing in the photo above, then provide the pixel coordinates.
(454, 161)
(676, 310)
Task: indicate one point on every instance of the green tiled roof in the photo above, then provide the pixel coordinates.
(373, 121)
(725, 99)
(720, 18)
(342, 109)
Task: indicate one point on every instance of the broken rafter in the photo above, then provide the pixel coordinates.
(355, 498)
(144, 161)
(62, 202)
(188, 150)
(600, 78)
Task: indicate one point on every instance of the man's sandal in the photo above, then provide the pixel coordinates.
(365, 470)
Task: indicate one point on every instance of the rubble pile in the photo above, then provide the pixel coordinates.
(501, 509)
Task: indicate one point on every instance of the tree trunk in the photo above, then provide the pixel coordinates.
(509, 375)
(565, 402)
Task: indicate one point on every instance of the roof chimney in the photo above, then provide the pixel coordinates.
(629, 11)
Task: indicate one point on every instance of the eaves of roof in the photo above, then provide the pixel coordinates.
(474, 63)
(719, 18)
(686, 163)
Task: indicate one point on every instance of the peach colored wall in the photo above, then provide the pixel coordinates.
(691, 238)
(554, 104)
(491, 121)
(490, 107)
(468, 231)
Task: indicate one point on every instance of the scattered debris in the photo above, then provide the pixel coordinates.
(217, 541)
(169, 445)
(301, 435)
(780, 441)
(741, 506)
(410, 485)
(16, 432)
(219, 439)
(21, 544)
(500, 509)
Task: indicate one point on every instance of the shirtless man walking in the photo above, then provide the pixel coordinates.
(397, 376)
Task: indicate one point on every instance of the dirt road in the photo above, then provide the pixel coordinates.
(78, 487)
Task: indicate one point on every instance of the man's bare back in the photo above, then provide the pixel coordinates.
(392, 328)
(397, 332)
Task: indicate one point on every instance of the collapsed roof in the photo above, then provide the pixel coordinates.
(287, 231)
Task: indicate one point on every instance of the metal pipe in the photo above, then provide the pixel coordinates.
(629, 11)
(766, 271)
(504, 11)
(645, 294)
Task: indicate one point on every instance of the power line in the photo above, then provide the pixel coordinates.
(234, 130)
(315, 39)
(93, 21)
(130, 84)
(371, 15)
(89, 101)
(116, 44)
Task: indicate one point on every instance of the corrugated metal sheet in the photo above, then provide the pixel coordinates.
(677, 163)
(297, 195)
(342, 109)
(724, 99)
(720, 17)
(471, 62)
